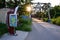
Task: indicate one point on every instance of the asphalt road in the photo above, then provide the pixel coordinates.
(43, 31)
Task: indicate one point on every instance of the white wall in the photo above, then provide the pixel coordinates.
(3, 14)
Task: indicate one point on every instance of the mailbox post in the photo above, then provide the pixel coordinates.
(10, 29)
(12, 20)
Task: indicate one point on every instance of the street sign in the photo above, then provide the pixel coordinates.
(13, 20)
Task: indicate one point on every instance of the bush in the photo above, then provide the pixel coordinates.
(53, 21)
(3, 29)
(24, 27)
(45, 19)
(24, 24)
(58, 20)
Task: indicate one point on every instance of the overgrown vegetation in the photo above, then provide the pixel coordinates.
(56, 21)
(55, 11)
(24, 24)
(54, 14)
(45, 19)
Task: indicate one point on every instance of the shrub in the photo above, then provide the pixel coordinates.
(58, 20)
(53, 21)
(24, 24)
(45, 19)
(24, 27)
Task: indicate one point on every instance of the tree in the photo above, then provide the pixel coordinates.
(2, 3)
(55, 11)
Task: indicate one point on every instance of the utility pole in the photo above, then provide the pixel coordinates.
(49, 13)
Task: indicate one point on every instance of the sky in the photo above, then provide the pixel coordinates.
(53, 2)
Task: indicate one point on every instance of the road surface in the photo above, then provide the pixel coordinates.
(43, 31)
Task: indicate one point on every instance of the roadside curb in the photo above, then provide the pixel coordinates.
(21, 35)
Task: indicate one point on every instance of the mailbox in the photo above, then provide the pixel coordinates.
(13, 20)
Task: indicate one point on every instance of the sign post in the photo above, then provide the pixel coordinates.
(10, 29)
